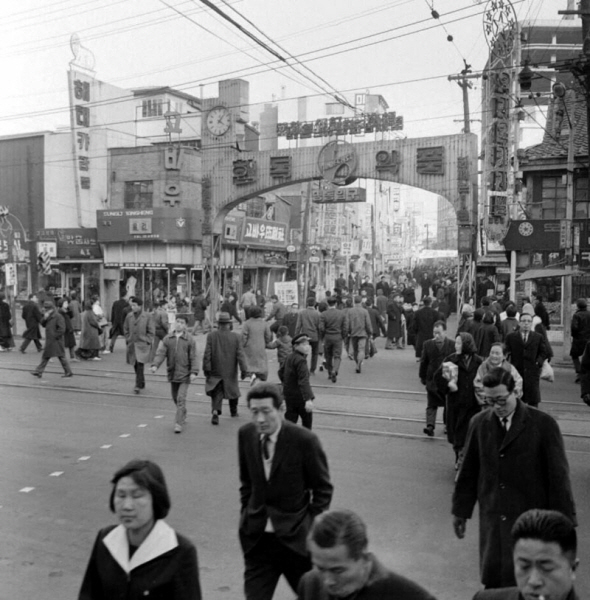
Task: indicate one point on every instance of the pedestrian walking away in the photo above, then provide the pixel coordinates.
(283, 344)
(580, 329)
(119, 312)
(32, 317)
(256, 336)
(294, 375)
(223, 356)
(308, 323)
(344, 567)
(284, 484)
(179, 350)
(358, 327)
(139, 332)
(514, 460)
(333, 331)
(69, 336)
(142, 557)
(6, 339)
(55, 328)
(90, 334)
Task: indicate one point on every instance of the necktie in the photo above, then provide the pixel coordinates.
(505, 423)
(264, 445)
(525, 336)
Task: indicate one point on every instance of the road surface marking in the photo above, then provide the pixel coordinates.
(125, 435)
(84, 458)
(56, 473)
(106, 446)
(26, 490)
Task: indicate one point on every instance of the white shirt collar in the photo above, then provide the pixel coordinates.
(161, 539)
(508, 420)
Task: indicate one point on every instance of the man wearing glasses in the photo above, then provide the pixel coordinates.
(514, 460)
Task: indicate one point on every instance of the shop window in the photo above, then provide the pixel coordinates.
(553, 200)
(139, 194)
(152, 108)
(581, 199)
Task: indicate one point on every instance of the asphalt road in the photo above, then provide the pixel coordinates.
(62, 439)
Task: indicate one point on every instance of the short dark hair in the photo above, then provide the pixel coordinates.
(547, 526)
(440, 323)
(501, 346)
(255, 312)
(488, 317)
(310, 301)
(282, 330)
(427, 300)
(265, 390)
(511, 310)
(148, 475)
(357, 299)
(182, 317)
(136, 300)
(59, 302)
(499, 376)
(87, 304)
(31, 296)
(525, 314)
(274, 297)
(485, 301)
(581, 303)
(331, 301)
(340, 527)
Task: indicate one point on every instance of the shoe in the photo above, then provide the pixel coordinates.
(22, 351)
(97, 358)
(321, 368)
(334, 377)
(359, 366)
(234, 413)
(177, 428)
(586, 399)
(215, 418)
(36, 374)
(136, 390)
(67, 375)
(429, 430)
(107, 352)
(75, 359)
(577, 379)
(312, 372)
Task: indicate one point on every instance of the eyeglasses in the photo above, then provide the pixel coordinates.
(501, 400)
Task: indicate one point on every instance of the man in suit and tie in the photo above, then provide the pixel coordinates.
(514, 460)
(433, 354)
(527, 350)
(285, 483)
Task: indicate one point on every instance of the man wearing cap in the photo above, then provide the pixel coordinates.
(223, 354)
(294, 374)
(55, 328)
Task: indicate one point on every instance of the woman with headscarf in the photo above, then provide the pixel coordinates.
(455, 381)
(497, 358)
(90, 337)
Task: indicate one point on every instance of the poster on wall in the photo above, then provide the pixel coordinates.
(287, 292)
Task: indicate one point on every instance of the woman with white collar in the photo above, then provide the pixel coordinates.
(143, 557)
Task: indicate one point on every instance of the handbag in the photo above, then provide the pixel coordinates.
(547, 372)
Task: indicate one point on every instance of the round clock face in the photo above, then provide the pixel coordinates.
(218, 120)
(525, 229)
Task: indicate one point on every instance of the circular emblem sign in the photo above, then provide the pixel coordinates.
(525, 229)
(291, 248)
(337, 162)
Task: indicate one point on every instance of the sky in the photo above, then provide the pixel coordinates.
(390, 47)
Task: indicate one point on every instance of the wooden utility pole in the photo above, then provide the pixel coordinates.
(463, 81)
(32, 222)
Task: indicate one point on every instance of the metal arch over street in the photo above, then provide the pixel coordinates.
(443, 165)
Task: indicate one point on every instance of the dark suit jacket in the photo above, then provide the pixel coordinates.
(528, 361)
(510, 593)
(297, 490)
(509, 474)
(333, 323)
(32, 317)
(222, 357)
(432, 358)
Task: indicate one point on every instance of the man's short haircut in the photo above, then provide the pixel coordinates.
(440, 324)
(525, 314)
(501, 346)
(265, 390)
(181, 317)
(427, 300)
(485, 301)
(282, 330)
(331, 301)
(87, 305)
(547, 526)
(255, 312)
(499, 376)
(162, 302)
(136, 300)
(59, 302)
(581, 303)
(340, 527)
(357, 299)
(310, 301)
(511, 310)
(274, 297)
(31, 296)
(148, 475)
(488, 317)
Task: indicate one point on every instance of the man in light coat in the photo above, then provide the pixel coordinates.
(359, 328)
(139, 330)
(308, 323)
(223, 355)
(256, 336)
(179, 350)
(514, 460)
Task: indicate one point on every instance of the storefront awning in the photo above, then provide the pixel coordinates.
(541, 273)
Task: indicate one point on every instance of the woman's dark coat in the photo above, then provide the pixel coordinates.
(6, 340)
(485, 337)
(69, 337)
(89, 337)
(462, 404)
(55, 328)
(394, 320)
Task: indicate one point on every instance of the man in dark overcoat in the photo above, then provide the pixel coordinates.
(514, 460)
(223, 355)
(119, 312)
(424, 321)
(580, 328)
(434, 353)
(55, 328)
(394, 323)
(284, 484)
(526, 350)
(6, 339)
(140, 330)
(32, 317)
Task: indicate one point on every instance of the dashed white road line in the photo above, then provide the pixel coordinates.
(106, 446)
(26, 490)
(142, 425)
(84, 458)
(125, 435)
(56, 473)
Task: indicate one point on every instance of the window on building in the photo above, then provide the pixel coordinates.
(553, 200)
(581, 199)
(152, 108)
(334, 108)
(255, 208)
(139, 194)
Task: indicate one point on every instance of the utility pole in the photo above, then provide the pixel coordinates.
(463, 81)
(32, 225)
(303, 252)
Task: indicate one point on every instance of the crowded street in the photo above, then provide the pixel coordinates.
(66, 438)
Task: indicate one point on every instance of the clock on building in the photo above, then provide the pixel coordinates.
(525, 229)
(218, 121)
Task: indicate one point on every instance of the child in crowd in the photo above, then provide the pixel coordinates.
(282, 344)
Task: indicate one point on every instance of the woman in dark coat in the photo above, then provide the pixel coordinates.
(486, 335)
(90, 336)
(69, 337)
(461, 401)
(394, 324)
(6, 339)
(32, 317)
(143, 557)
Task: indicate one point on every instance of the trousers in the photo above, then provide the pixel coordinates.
(179, 391)
(139, 375)
(62, 360)
(333, 352)
(217, 400)
(296, 410)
